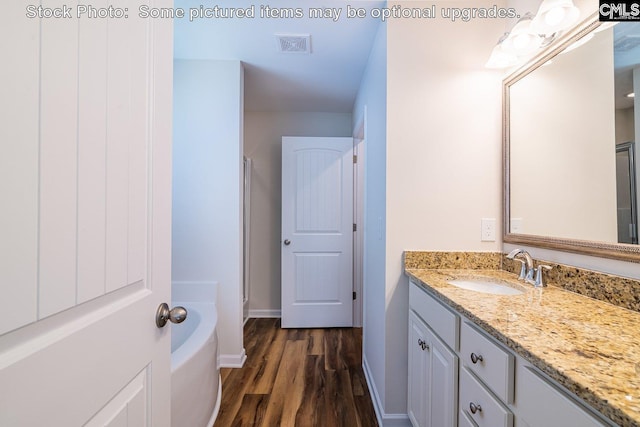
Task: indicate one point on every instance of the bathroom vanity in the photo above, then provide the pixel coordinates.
(546, 357)
(568, 354)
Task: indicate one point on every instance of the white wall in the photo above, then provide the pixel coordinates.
(433, 171)
(207, 189)
(443, 155)
(371, 106)
(263, 138)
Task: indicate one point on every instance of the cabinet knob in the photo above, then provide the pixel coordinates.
(422, 344)
(475, 358)
(474, 408)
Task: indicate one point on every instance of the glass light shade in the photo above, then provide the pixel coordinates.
(501, 59)
(554, 16)
(522, 40)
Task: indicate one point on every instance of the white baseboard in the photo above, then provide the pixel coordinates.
(232, 360)
(373, 391)
(384, 419)
(395, 420)
(264, 314)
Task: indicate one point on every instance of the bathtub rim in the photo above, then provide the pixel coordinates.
(216, 409)
(203, 333)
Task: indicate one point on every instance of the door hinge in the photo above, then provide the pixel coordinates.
(355, 159)
(354, 295)
(355, 227)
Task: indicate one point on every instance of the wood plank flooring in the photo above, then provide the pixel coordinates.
(297, 377)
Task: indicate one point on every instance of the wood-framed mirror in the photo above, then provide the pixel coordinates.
(566, 115)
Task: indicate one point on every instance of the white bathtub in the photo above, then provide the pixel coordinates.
(195, 375)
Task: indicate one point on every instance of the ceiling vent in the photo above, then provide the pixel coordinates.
(294, 43)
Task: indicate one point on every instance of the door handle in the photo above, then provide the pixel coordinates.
(287, 242)
(175, 315)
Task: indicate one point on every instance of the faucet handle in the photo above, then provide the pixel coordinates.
(539, 282)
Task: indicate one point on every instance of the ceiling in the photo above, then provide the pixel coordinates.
(626, 58)
(326, 80)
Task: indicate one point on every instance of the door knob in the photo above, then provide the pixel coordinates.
(175, 315)
(287, 242)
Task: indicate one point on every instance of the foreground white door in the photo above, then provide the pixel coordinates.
(85, 250)
(317, 232)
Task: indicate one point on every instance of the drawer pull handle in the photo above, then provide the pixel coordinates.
(474, 408)
(475, 358)
(423, 345)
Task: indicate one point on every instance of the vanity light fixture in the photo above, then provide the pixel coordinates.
(522, 40)
(499, 58)
(554, 16)
(533, 32)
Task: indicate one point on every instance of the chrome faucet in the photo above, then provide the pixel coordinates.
(526, 271)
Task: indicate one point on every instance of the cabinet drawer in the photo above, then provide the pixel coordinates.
(490, 412)
(541, 404)
(492, 364)
(444, 322)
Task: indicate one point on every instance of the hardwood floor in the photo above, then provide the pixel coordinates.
(297, 377)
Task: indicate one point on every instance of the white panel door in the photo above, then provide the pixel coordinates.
(85, 224)
(317, 232)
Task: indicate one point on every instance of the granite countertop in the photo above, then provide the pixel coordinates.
(589, 346)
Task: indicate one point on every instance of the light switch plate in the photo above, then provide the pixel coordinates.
(488, 227)
(516, 225)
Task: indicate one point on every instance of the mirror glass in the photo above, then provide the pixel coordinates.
(570, 141)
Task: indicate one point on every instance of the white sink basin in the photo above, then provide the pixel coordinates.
(486, 285)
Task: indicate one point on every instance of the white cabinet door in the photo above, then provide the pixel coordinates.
(317, 232)
(85, 224)
(433, 378)
(443, 384)
(418, 392)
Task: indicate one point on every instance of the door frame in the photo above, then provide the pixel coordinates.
(359, 150)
